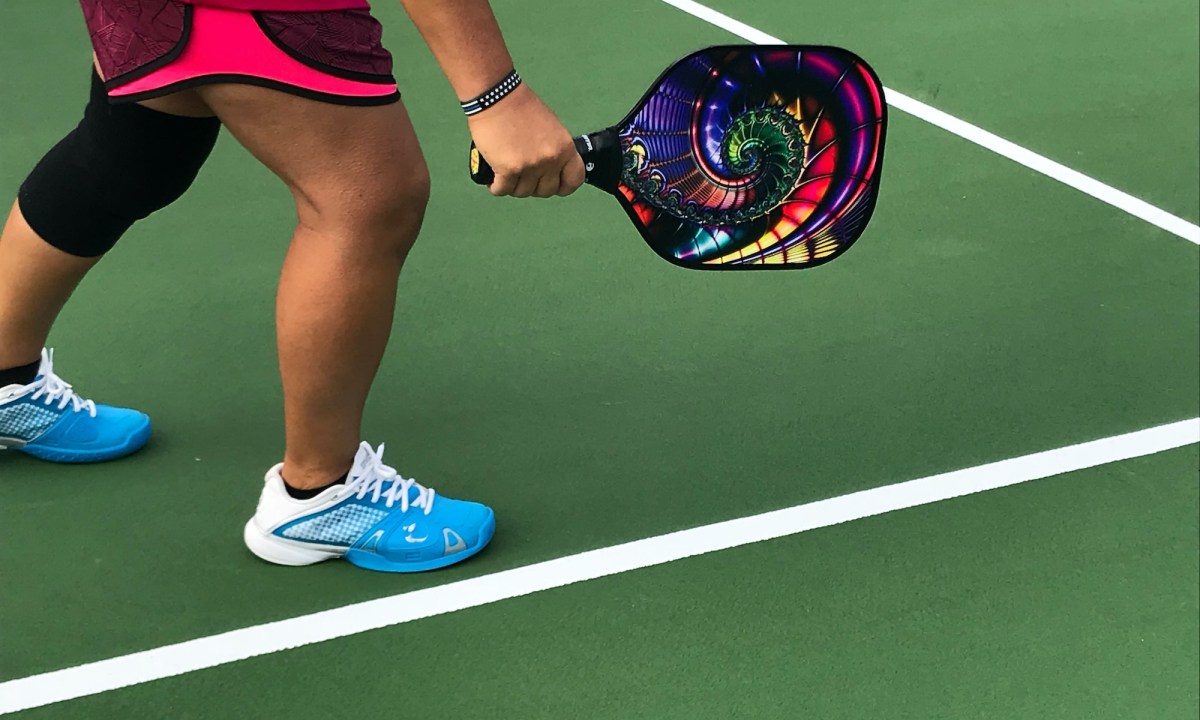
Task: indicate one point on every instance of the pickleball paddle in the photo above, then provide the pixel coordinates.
(745, 157)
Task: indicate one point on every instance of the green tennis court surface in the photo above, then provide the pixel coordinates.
(546, 362)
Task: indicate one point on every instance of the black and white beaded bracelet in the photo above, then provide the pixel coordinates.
(493, 96)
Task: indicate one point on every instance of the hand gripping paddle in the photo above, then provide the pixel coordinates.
(745, 157)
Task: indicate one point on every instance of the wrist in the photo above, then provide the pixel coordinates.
(505, 87)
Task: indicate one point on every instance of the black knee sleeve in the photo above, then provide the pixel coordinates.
(119, 165)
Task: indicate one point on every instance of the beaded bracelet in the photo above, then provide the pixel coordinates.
(510, 82)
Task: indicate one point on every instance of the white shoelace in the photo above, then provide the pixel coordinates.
(55, 389)
(369, 475)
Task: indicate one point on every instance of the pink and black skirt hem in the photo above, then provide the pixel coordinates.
(158, 47)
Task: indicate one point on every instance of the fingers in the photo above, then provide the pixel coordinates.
(572, 175)
(548, 185)
(528, 183)
(556, 173)
(504, 183)
(543, 180)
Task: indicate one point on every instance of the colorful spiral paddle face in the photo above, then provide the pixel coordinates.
(760, 156)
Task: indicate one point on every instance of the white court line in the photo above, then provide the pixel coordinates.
(1124, 201)
(207, 652)
(215, 650)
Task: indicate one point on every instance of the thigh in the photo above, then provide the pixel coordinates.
(337, 159)
(186, 103)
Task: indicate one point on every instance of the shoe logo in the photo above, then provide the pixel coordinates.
(372, 543)
(410, 529)
(454, 542)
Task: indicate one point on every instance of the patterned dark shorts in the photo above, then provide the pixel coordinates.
(149, 48)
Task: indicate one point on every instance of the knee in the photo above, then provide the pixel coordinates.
(401, 207)
(376, 215)
(119, 165)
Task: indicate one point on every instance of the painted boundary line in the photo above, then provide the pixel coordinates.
(207, 652)
(1121, 200)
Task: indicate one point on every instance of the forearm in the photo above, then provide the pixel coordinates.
(465, 39)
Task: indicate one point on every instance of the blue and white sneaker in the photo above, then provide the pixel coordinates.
(48, 420)
(376, 520)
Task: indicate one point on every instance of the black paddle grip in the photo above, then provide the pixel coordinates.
(600, 151)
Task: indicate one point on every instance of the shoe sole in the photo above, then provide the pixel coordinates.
(280, 551)
(135, 442)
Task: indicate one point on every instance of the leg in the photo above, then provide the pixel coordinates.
(119, 165)
(361, 186)
(36, 279)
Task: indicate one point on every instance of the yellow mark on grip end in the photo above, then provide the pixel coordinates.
(474, 161)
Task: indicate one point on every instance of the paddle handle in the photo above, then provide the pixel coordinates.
(600, 151)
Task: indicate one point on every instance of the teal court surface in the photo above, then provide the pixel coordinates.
(1017, 331)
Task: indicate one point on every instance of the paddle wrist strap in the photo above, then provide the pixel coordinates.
(602, 159)
(495, 94)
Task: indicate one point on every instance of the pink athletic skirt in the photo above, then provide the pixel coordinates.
(150, 48)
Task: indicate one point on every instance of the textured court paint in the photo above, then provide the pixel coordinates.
(202, 653)
(546, 362)
(1019, 603)
(1119, 199)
